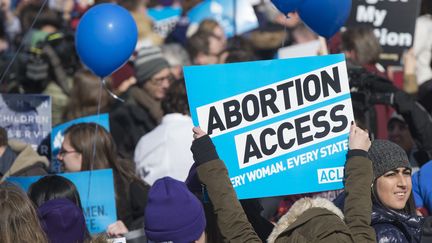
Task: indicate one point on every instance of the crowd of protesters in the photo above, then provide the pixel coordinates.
(169, 183)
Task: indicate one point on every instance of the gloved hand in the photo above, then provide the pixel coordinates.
(203, 149)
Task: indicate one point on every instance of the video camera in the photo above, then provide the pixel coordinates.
(368, 89)
(42, 61)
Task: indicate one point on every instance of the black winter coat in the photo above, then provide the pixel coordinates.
(128, 124)
(419, 122)
(395, 227)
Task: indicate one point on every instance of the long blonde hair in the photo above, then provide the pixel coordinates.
(19, 221)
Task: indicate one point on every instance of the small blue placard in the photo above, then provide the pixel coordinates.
(96, 190)
(164, 18)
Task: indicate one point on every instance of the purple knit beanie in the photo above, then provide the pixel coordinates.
(173, 213)
(62, 221)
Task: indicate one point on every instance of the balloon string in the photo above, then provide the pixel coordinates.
(97, 126)
(94, 141)
(111, 93)
(22, 42)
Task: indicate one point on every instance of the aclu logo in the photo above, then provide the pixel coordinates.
(330, 175)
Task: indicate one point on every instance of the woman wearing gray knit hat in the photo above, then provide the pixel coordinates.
(142, 110)
(393, 214)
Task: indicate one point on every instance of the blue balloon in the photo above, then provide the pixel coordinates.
(287, 6)
(105, 38)
(325, 17)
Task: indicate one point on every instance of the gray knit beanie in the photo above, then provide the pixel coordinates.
(386, 156)
(148, 62)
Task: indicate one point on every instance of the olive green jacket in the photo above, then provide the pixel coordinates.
(319, 220)
(309, 220)
(231, 219)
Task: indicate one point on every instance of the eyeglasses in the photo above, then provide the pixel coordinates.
(63, 152)
(218, 37)
(158, 81)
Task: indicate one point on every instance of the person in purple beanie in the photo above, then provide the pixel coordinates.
(62, 221)
(173, 213)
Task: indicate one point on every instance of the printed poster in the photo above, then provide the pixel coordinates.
(310, 48)
(164, 18)
(280, 126)
(27, 117)
(393, 23)
(96, 190)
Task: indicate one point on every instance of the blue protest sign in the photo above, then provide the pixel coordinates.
(281, 126)
(57, 135)
(96, 189)
(223, 12)
(164, 18)
(27, 117)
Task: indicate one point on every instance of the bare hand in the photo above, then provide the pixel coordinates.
(409, 62)
(198, 132)
(117, 229)
(358, 138)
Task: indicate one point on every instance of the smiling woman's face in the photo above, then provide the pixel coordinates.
(394, 188)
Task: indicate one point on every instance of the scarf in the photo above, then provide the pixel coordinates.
(154, 107)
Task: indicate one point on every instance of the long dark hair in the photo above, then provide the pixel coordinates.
(98, 149)
(53, 187)
(409, 208)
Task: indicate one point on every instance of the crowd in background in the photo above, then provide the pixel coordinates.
(174, 194)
